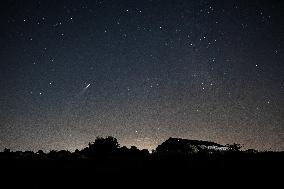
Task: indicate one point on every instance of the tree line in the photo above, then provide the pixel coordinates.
(109, 147)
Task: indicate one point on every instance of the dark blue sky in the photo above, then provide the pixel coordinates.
(210, 70)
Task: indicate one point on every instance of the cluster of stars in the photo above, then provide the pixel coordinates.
(177, 69)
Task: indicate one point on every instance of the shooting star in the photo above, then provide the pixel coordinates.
(87, 86)
(74, 104)
(83, 90)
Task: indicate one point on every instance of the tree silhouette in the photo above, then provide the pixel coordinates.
(6, 150)
(101, 147)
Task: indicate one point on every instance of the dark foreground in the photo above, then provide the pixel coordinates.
(174, 162)
(234, 168)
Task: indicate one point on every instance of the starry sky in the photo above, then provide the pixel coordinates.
(141, 71)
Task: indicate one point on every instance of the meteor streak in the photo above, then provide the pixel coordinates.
(83, 91)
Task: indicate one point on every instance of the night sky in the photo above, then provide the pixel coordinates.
(141, 71)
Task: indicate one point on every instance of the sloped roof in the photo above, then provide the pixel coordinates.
(180, 141)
